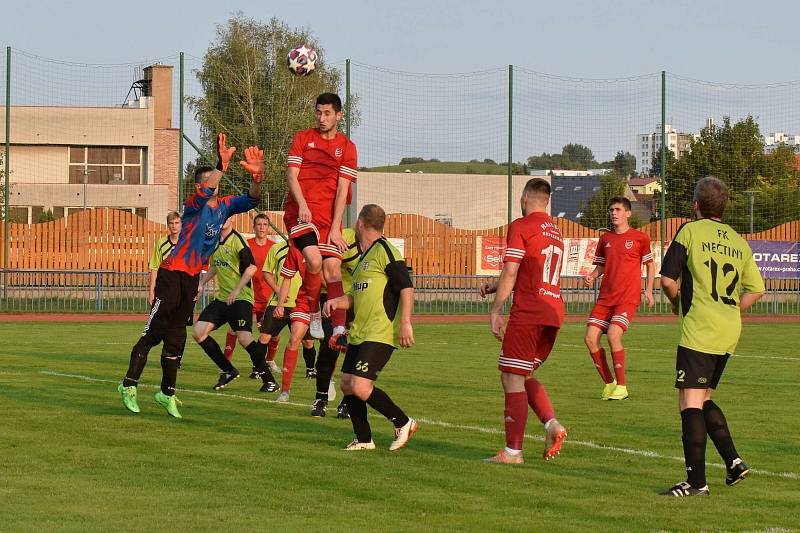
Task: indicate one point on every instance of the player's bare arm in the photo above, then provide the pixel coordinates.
(205, 278)
(488, 288)
(304, 213)
(283, 293)
(335, 234)
(406, 305)
(670, 288)
(254, 164)
(244, 280)
(648, 286)
(594, 274)
(269, 279)
(748, 299)
(342, 302)
(224, 155)
(505, 285)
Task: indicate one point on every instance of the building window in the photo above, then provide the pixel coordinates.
(561, 214)
(595, 189)
(579, 215)
(577, 188)
(106, 165)
(560, 188)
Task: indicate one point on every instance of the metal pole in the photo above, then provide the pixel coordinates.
(751, 197)
(347, 125)
(663, 162)
(6, 184)
(510, 136)
(180, 136)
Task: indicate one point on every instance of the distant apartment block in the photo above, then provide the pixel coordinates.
(773, 140)
(649, 144)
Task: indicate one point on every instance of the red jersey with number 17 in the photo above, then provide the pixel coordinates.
(622, 256)
(535, 242)
(321, 162)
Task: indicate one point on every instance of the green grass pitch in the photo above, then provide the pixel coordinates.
(73, 459)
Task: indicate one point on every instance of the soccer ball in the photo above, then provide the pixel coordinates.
(302, 60)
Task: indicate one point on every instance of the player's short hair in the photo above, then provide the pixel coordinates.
(260, 216)
(199, 171)
(711, 195)
(330, 99)
(620, 200)
(537, 186)
(373, 216)
(172, 215)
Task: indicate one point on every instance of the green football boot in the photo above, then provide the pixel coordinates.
(608, 389)
(170, 403)
(129, 398)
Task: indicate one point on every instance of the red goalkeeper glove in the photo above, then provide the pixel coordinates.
(224, 153)
(254, 162)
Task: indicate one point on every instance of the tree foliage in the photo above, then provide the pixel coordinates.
(734, 153)
(249, 94)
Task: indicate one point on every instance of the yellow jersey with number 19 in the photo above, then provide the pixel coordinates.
(714, 265)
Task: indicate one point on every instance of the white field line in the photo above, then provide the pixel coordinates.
(656, 350)
(448, 425)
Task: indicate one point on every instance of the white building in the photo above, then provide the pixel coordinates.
(773, 140)
(649, 144)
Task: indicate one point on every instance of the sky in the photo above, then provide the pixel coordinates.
(734, 42)
(737, 41)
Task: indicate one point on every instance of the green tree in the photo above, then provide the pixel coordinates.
(578, 156)
(595, 211)
(624, 164)
(249, 94)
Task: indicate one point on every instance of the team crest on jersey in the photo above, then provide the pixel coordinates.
(608, 245)
(338, 152)
(365, 266)
(628, 245)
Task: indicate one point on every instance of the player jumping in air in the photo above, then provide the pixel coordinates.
(233, 265)
(710, 277)
(162, 249)
(531, 268)
(382, 297)
(322, 164)
(204, 213)
(619, 257)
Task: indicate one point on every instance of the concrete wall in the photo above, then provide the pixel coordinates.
(473, 201)
(31, 164)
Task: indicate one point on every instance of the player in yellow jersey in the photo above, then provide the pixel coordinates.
(162, 249)
(710, 277)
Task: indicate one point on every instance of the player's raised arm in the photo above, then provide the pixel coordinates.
(254, 164)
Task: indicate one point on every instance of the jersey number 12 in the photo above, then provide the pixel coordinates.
(727, 269)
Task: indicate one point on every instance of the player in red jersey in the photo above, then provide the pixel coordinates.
(259, 245)
(531, 268)
(619, 258)
(322, 163)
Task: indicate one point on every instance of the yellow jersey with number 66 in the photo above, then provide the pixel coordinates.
(714, 265)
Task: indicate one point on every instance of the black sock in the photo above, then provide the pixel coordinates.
(381, 402)
(717, 428)
(137, 363)
(258, 353)
(694, 446)
(326, 364)
(213, 350)
(358, 417)
(169, 373)
(309, 355)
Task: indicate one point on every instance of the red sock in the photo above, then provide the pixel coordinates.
(289, 363)
(312, 284)
(539, 400)
(230, 345)
(516, 414)
(334, 291)
(619, 366)
(272, 348)
(599, 358)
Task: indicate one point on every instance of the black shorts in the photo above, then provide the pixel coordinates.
(698, 370)
(273, 326)
(175, 294)
(238, 315)
(367, 359)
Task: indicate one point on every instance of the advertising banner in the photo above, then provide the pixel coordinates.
(777, 259)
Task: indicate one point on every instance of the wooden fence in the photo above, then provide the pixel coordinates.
(109, 239)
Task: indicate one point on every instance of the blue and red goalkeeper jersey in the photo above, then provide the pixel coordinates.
(200, 229)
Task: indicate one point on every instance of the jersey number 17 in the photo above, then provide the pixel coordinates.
(551, 273)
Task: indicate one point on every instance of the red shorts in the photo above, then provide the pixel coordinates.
(301, 311)
(526, 347)
(300, 232)
(258, 310)
(602, 316)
